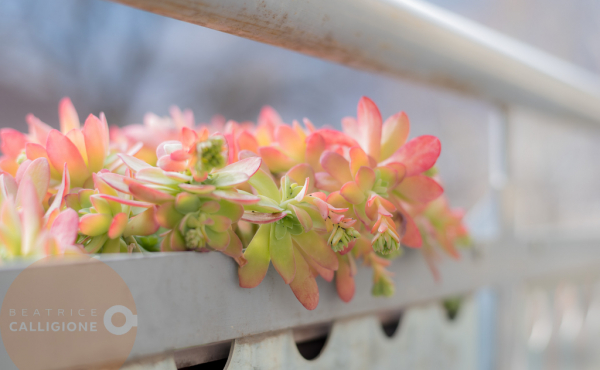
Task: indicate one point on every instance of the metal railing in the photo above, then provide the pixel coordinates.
(404, 38)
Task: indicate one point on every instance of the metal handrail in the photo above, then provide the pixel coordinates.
(405, 38)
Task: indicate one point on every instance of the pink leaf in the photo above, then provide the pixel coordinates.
(326, 182)
(133, 163)
(60, 151)
(304, 284)
(337, 166)
(236, 197)
(369, 125)
(290, 142)
(344, 281)
(64, 228)
(418, 155)
(117, 226)
(262, 218)
(150, 195)
(275, 159)
(67, 116)
(38, 173)
(13, 142)
(419, 189)
(365, 179)
(128, 202)
(247, 166)
(394, 135)
(315, 146)
(352, 193)
(93, 133)
(358, 159)
(37, 129)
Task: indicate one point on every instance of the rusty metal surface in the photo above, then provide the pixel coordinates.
(406, 38)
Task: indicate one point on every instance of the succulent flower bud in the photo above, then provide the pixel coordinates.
(211, 154)
(195, 239)
(21, 158)
(383, 286)
(340, 237)
(387, 239)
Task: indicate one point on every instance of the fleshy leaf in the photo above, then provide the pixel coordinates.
(235, 247)
(262, 218)
(247, 141)
(64, 227)
(326, 182)
(237, 197)
(337, 166)
(60, 151)
(187, 203)
(93, 133)
(117, 226)
(352, 193)
(394, 134)
(290, 142)
(133, 163)
(197, 189)
(282, 255)
(230, 210)
(275, 159)
(300, 172)
(317, 249)
(38, 172)
(365, 178)
(96, 243)
(67, 115)
(358, 159)
(247, 166)
(142, 225)
(217, 240)
(344, 281)
(13, 142)
(167, 216)
(304, 284)
(315, 146)
(94, 224)
(264, 185)
(150, 195)
(258, 256)
(419, 189)
(418, 155)
(303, 217)
(128, 202)
(227, 179)
(369, 125)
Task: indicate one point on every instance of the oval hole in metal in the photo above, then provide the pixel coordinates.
(390, 322)
(312, 339)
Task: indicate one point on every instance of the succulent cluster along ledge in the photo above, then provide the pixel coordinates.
(310, 201)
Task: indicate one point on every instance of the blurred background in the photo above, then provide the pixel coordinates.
(127, 62)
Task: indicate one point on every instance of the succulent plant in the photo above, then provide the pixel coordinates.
(310, 201)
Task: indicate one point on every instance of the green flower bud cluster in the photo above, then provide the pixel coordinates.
(195, 239)
(385, 244)
(211, 154)
(383, 287)
(194, 230)
(340, 237)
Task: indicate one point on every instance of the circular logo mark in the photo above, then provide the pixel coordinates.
(68, 312)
